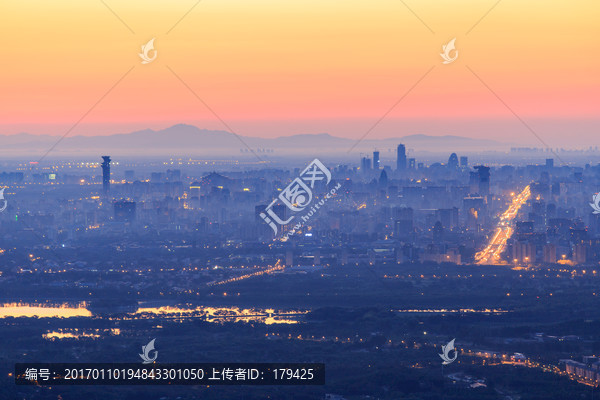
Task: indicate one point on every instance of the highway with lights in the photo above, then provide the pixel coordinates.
(491, 254)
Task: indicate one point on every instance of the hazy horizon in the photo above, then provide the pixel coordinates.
(306, 200)
(555, 132)
(269, 69)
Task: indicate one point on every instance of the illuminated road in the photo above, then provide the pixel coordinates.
(269, 270)
(492, 252)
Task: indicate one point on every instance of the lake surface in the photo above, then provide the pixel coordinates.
(44, 310)
(180, 313)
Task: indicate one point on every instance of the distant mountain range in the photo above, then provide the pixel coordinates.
(188, 140)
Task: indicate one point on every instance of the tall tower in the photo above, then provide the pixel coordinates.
(401, 160)
(365, 164)
(484, 179)
(106, 174)
(375, 160)
(453, 161)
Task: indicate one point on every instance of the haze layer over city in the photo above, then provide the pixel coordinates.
(300, 200)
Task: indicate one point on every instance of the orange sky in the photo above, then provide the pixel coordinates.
(272, 68)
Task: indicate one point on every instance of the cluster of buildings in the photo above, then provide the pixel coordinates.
(404, 163)
(558, 225)
(588, 370)
(407, 212)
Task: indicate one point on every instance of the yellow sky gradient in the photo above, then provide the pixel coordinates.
(293, 61)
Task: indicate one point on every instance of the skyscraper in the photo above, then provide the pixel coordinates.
(453, 161)
(106, 174)
(484, 179)
(365, 164)
(473, 182)
(401, 160)
(383, 179)
(375, 160)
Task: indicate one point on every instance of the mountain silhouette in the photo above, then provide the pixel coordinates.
(183, 139)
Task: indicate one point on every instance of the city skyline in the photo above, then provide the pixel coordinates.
(307, 200)
(346, 264)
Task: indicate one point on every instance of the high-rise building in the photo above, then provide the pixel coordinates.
(453, 161)
(550, 253)
(448, 217)
(523, 252)
(403, 225)
(464, 161)
(579, 253)
(473, 182)
(524, 230)
(403, 228)
(376, 160)
(474, 211)
(549, 162)
(365, 164)
(106, 174)
(383, 179)
(401, 159)
(484, 179)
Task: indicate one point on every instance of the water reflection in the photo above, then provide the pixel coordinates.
(68, 335)
(267, 316)
(80, 333)
(225, 314)
(453, 311)
(44, 310)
